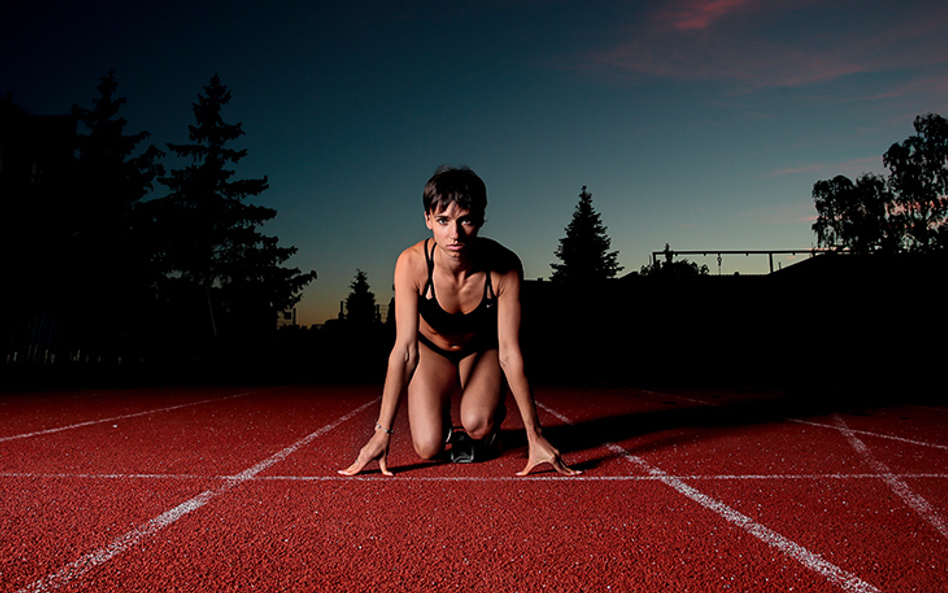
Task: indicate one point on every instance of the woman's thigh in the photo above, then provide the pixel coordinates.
(429, 398)
(484, 388)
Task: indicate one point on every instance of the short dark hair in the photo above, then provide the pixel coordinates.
(461, 186)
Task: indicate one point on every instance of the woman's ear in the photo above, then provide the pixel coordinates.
(428, 220)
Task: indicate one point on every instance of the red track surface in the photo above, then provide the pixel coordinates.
(236, 490)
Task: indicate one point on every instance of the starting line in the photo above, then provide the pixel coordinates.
(532, 478)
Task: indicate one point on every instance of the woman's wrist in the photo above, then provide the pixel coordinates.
(379, 427)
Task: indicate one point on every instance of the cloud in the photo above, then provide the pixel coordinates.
(781, 43)
(800, 170)
(700, 14)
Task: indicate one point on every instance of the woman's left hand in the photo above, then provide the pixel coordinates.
(541, 451)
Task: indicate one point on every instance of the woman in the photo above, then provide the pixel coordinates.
(457, 315)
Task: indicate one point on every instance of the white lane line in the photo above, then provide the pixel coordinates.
(932, 408)
(807, 422)
(81, 566)
(915, 501)
(836, 575)
(125, 416)
(681, 397)
(536, 478)
(872, 434)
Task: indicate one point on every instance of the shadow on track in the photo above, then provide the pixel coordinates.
(597, 433)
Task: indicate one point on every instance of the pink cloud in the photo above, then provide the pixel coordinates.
(779, 43)
(801, 170)
(700, 14)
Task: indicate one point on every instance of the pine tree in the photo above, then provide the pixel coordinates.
(111, 252)
(584, 251)
(360, 304)
(213, 240)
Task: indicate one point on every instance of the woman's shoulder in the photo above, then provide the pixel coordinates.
(411, 259)
(498, 258)
(414, 252)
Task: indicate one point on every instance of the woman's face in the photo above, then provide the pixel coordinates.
(453, 228)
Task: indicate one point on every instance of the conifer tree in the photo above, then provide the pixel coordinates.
(360, 304)
(584, 251)
(213, 237)
(111, 251)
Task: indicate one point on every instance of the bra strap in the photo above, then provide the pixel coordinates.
(429, 259)
(488, 287)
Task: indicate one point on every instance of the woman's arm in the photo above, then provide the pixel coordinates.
(401, 365)
(511, 361)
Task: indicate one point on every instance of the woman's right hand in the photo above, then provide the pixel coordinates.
(375, 449)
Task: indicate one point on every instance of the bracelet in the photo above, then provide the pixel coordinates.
(388, 430)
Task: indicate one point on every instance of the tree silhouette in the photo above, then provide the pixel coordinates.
(360, 304)
(853, 216)
(212, 238)
(919, 181)
(584, 251)
(112, 246)
(907, 211)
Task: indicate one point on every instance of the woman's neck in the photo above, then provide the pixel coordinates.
(461, 266)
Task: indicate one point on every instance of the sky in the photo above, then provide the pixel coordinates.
(702, 124)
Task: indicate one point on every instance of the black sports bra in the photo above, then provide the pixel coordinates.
(481, 321)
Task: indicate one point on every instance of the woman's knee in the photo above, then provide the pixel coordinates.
(477, 423)
(428, 447)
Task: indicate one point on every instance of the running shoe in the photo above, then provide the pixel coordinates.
(464, 449)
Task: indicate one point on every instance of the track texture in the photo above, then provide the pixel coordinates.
(228, 489)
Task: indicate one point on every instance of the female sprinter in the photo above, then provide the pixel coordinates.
(457, 315)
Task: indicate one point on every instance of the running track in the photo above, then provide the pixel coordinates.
(229, 489)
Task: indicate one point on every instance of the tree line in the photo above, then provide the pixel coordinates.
(101, 265)
(904, 211)
(726, 331)
(103, 269)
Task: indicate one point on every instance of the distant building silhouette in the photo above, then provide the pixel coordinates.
(34, 149)
(37, 154)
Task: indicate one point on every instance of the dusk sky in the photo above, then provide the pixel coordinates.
(698, 123)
